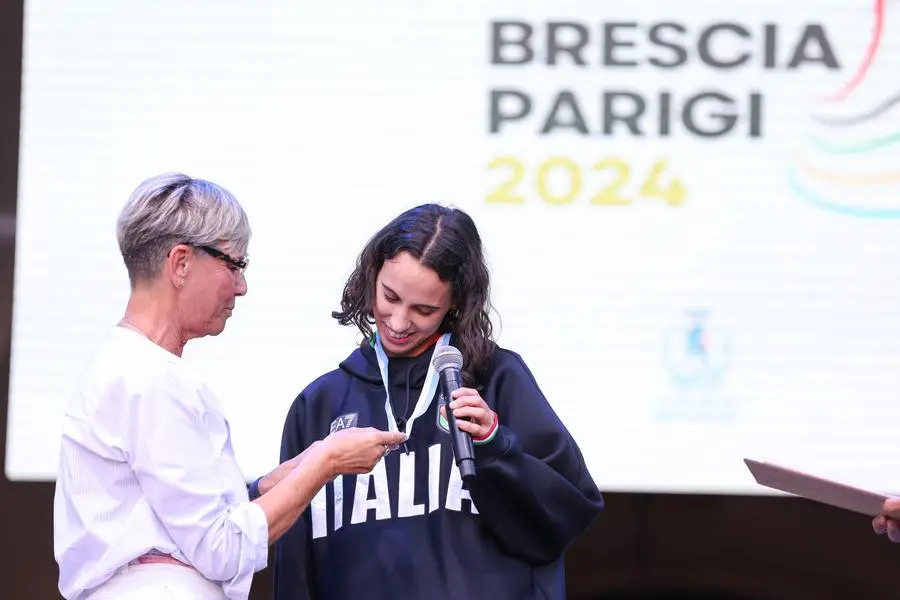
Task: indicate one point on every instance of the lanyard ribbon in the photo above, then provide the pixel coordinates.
(428, 388)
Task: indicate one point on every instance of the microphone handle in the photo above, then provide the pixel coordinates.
(461, 441)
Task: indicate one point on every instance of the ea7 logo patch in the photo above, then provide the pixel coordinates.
(343, 422)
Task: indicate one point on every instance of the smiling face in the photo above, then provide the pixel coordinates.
(411, 302)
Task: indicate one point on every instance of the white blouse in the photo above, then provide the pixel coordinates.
(147, 466)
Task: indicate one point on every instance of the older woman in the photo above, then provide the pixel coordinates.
(150, 501)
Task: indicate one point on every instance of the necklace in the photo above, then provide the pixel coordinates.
(162, 343)
(129, 325)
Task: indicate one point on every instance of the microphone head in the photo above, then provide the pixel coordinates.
(447, 357)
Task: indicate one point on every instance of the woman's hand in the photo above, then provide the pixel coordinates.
(472, 413)
(357, 450)
(889, 521)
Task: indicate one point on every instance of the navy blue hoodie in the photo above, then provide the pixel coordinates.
(409, 530)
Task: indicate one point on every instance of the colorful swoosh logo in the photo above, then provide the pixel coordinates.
(871, 52)
(851, 163)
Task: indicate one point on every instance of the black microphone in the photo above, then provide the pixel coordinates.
(448, 362)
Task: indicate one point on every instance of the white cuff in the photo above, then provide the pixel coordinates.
(250, 518)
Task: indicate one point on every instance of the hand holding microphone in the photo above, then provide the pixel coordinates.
(472, 413)
(469, 415)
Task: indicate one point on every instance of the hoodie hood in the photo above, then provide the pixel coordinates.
(363, 364)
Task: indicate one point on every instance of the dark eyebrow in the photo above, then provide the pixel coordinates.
(428, 306)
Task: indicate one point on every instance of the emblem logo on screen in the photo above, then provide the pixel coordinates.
(344, 422)
(697, 353)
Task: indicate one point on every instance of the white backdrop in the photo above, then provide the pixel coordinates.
(751, 310)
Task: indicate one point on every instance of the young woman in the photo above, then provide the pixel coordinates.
(411, 529)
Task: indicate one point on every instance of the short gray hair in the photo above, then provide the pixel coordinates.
(171, 209)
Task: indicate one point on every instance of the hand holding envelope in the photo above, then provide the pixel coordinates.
(889, 521)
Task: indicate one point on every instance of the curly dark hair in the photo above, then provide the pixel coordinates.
(446, 241)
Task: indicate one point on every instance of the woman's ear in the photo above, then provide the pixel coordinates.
(179, 263)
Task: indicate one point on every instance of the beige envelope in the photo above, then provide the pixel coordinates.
(815, 488)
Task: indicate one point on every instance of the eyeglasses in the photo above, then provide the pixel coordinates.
(237, 265)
